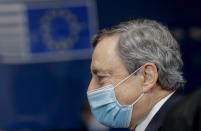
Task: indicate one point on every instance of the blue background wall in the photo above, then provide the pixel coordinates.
(50, 95)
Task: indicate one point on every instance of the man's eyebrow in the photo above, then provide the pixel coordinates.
(96, 70)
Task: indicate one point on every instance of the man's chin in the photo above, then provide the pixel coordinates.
(132, 127)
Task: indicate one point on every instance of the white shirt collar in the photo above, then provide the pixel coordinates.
(144, 123)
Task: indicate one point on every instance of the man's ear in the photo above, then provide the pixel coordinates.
(150, 75)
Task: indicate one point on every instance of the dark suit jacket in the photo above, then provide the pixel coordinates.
(186, 115)
(159, 117)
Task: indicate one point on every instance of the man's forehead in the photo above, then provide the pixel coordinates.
(99, 65)
(106, 47)
(104, 53)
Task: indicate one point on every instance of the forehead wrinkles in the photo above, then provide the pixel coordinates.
(105, 52)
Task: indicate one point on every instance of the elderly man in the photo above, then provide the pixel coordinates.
(136, 69)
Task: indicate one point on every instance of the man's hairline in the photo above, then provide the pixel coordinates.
(101, 37)
(118, 35)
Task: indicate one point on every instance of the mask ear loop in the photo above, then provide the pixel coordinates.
(138, 99)
(127, 77)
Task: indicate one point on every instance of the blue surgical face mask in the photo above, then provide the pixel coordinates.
(107, 110)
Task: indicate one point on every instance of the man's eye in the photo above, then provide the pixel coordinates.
(101, 78)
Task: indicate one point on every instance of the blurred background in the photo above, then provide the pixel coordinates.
(45, 55)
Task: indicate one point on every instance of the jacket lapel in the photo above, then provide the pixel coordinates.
(157, 120)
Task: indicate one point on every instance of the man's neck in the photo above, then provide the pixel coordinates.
(146, 120)
(145, 105)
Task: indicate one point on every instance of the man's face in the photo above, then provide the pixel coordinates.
(108, 68)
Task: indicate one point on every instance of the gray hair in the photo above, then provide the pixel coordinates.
(143, 41)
